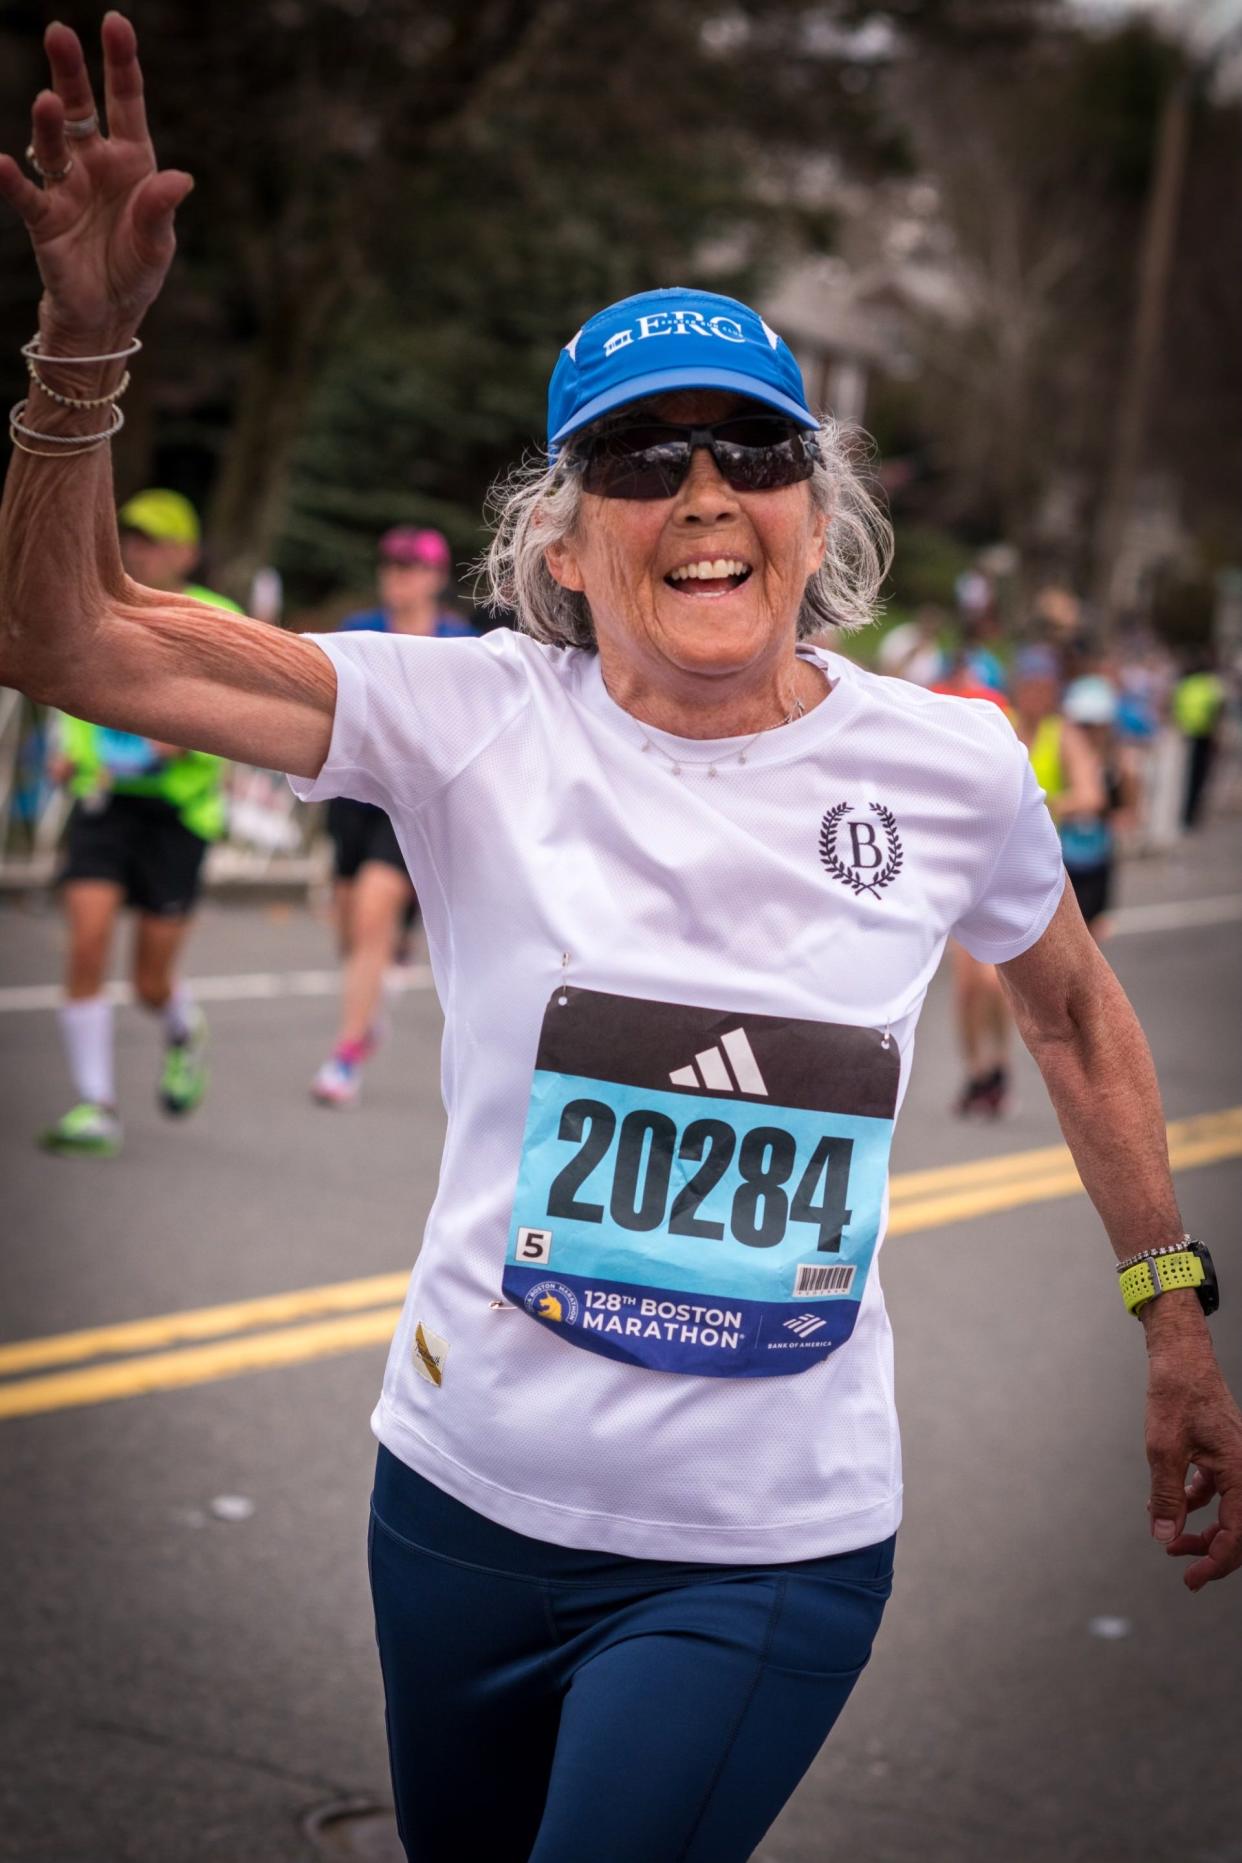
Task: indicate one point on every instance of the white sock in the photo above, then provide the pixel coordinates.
(86, 1030)
(178, 1014)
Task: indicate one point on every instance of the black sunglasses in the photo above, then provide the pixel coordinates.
(650, 459)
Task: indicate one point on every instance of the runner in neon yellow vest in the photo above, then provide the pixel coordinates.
(144, 815)
(122, 764)
(1198, 704)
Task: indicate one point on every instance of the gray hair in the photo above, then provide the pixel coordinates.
(538, 504)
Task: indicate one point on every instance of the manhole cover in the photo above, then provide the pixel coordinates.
(356, 1828)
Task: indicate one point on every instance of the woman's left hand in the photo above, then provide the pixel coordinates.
(1193, 1419)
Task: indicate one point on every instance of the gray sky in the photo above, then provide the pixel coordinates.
(1220, 13)
(1201, 22)
(1123, 6)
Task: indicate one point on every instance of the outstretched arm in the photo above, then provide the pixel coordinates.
(1078, 1023)
(75, 631)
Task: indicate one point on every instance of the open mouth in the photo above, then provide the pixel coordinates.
(713, 576)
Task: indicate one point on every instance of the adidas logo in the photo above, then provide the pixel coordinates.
(730, 1067)
(804, 1324)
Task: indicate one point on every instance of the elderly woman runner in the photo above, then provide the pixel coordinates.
(686, 879)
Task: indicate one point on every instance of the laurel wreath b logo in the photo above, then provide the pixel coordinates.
(869, 868)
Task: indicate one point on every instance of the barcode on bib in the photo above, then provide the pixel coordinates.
(815, 1280)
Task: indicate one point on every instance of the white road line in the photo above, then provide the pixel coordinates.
(245, 986)
(1178, 915)
(263, 985)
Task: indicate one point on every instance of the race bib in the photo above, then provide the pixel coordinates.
(700, 1191)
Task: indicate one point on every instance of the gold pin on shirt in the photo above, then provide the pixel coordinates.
(429, 1355)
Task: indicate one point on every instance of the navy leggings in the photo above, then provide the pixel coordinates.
(552, 1705)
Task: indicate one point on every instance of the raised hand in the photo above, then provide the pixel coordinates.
(101, 224)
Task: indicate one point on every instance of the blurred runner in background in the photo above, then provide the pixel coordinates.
(1144, 674)
(911, 650)
(143, 817)
(374, 897)
(1069, 769)
(980, 1009)
(1198, 705)
(1089, 840)
(979, 620)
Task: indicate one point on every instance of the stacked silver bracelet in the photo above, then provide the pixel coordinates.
(1145, 1254)
(77, 442)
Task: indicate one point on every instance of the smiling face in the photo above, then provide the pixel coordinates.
(703, 588)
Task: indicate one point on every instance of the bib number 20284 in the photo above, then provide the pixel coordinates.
(699, 1191)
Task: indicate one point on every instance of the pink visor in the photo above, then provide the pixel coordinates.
(427, 549)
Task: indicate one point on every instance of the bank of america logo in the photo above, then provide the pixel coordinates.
(730, 1067)
(804, 1324)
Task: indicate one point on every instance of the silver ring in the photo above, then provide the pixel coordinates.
(78, 128)
(47, 174)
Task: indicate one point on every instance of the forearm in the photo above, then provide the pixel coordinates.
(1100, 1077)
(60, 565)
(77, 633)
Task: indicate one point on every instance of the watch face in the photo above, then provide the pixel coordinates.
(1209, 1292)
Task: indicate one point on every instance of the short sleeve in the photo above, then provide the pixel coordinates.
(412, 712)
(1023, 887)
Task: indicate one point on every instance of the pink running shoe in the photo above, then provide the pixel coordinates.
(338, 1082)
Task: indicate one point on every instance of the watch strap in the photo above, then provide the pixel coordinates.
(1158, 1273)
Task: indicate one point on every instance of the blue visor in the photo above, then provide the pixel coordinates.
(660, 341)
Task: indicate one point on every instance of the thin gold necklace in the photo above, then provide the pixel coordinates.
(713, 767)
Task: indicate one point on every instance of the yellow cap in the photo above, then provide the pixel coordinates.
(165, 517)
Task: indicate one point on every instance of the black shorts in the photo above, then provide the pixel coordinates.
(141, 844)
(1093, 889)
(361, 832)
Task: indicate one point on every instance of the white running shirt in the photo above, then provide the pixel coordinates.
(680, 981)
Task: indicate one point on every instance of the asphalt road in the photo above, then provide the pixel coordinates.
(181, 1686)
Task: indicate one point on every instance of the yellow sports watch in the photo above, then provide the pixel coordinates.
(1158, 1270)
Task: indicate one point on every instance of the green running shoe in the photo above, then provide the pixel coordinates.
(86, 1131)
(184, 1079)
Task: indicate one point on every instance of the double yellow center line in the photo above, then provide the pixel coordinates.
(953, 1193)
(197, 1347)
